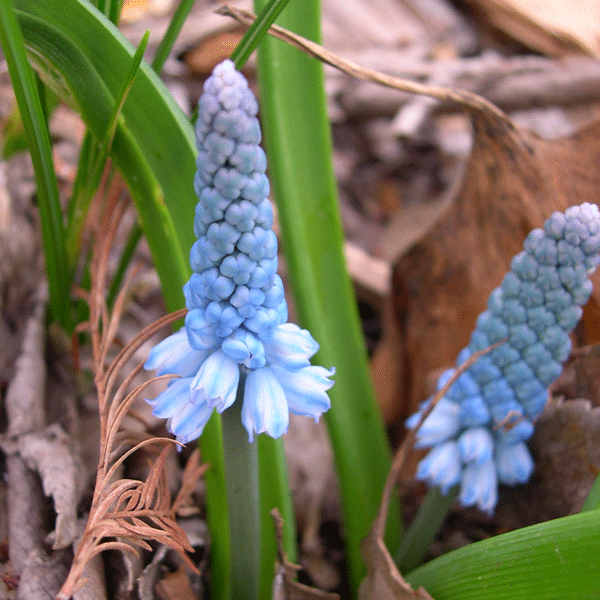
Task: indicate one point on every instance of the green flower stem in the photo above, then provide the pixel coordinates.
(423, 528)
(241, 477)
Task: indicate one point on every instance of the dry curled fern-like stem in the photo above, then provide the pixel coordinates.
(125, 514)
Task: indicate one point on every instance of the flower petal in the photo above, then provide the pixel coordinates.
(290, 347)
(441, 466)
(175, 356)
(265, 409)
(188, 423)
(218, 379)
(480, 486)
(441, 423)
(514, 463)
(305, 389)
(173, 399)
(476, 445)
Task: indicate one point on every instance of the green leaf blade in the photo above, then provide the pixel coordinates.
(299, 150)
(559, 559)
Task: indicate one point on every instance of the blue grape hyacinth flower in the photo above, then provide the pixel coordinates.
(235, 331)
(478, 429)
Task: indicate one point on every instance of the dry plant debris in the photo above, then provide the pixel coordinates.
(285, 587)
(383, 580)
(126, 514)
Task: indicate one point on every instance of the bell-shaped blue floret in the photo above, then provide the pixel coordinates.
(305, 389)
(291, 347)
(514, 463)
(265, 409)
(441, 467)
(441, 424)
(479, 486)
(476, 445)
(217, 379)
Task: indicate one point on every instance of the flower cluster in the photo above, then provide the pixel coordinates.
(235, 331)
(478, 429)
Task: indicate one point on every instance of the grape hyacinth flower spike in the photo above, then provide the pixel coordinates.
(478, 429)
(235, 332)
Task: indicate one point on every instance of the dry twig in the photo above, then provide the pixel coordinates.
(383, 579)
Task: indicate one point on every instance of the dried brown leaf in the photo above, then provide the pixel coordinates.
(383, 580)
(553, 27)
(49, 452)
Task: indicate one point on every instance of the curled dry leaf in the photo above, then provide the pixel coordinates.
(50, 453)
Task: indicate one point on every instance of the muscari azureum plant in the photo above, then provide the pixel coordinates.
(478, 430)
(235, 332)
(236, 347)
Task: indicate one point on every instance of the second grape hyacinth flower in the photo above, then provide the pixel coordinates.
(478, 429)
(235, 334)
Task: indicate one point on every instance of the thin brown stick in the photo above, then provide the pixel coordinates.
(409, 440)
(466, 100)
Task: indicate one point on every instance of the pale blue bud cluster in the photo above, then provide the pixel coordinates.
(479, 428)
(235, 331)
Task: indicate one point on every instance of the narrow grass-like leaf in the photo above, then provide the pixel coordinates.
(211, 444)
(38, 139)
(86, 60)
(256, 32)
(13, 134)
(166, 44)
(114, 11)
(81, 201)
(556, 560)
(299, 148)
(126, 255)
